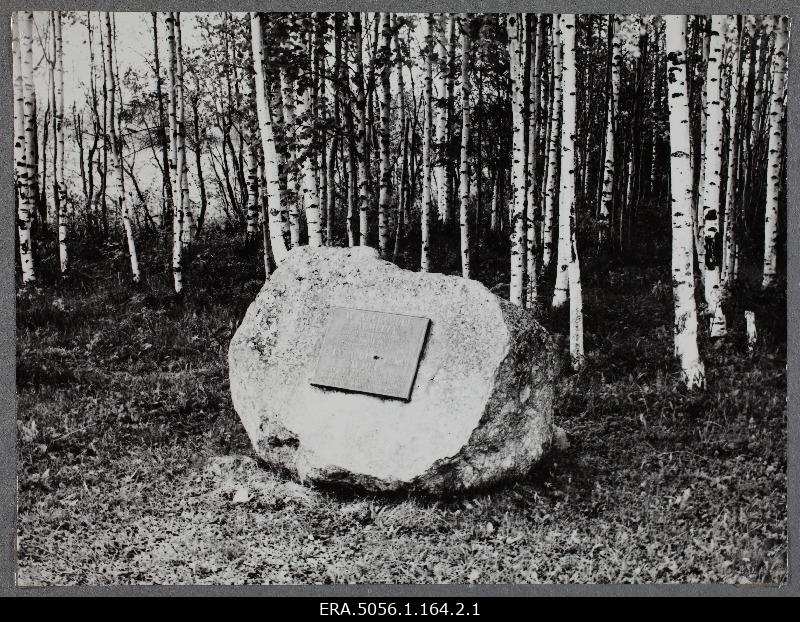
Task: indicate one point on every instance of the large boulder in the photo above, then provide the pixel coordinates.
(481, 409)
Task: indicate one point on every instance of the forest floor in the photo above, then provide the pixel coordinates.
(134, 468)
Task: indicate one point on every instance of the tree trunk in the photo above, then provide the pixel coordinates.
(698, 209)
(775, 150)
(730, 211)
(427, 201)
(567, 196)
(176, 163)
(330, 221)
(713, 176)
(514, 27)
(21, 41)
(441, 171)
(607, 200)
(198, 152)
(385, 103)
(265, 122)
(682, 198)
(187, 216)
(534, 208)
(58, 137)
(308, 161)
(115, 144)
(293, 179)
(464, 220)
(552, 150)
(166, 184)
(566, 181)
(360, 110)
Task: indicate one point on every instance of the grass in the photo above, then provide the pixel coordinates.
(133, 467)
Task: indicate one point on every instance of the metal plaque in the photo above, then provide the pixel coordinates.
(371, 352)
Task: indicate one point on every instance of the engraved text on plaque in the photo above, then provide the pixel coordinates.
(371, 352)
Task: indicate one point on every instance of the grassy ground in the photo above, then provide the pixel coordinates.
(133, 467)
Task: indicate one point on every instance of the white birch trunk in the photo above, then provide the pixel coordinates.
(384, 197)
(30, 124)
(116, 151)
(442, 172)
(758, 86)
(682, 198)
(607, 200)
(251, 159)
(308, 162)
(294, 180)
(552, 164)
(427, 200)
(63, 253)
(534, 207)
(173, 144)
(698, 209)
(775, 150)
(466, 271)
(251, 164)
(514, 27)
(21, 31)
(751, 331)
(730, 211)
(566, 198)
(712, 182)
(176, 162)
(271, 170)
(187, 222)
(361, 137)
(560, 292)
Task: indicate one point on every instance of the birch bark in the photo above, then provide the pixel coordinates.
(466, 270)
(21, 30)
(271, 171)
(775, 150)
(514, 26)
(681, 199)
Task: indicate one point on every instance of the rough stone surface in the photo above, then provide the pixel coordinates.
(482, 402)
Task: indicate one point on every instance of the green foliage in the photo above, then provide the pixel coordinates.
(124, 411)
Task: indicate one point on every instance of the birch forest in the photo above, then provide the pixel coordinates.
(622, 177)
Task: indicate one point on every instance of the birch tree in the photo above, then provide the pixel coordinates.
(551, 183)
(178, 155)
(334, 147)
(730, 212)
(775, 149)
(607, 197)
(442, 172)
(567, 179)
(361, 135)
(465, 131)
(681, 199)
(385, 106)
(58, 163)
(166, 184)
(566, 198)
(534, 205)
(251, 153)
(714, 141)
(427, 200)
(187, 217)
(514, 23)
(271, 171)
(114, 143)
(21, 40)
(697, 205)
(286, 93)
(307, 157)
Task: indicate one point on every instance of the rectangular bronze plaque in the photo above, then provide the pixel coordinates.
(371, 352)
